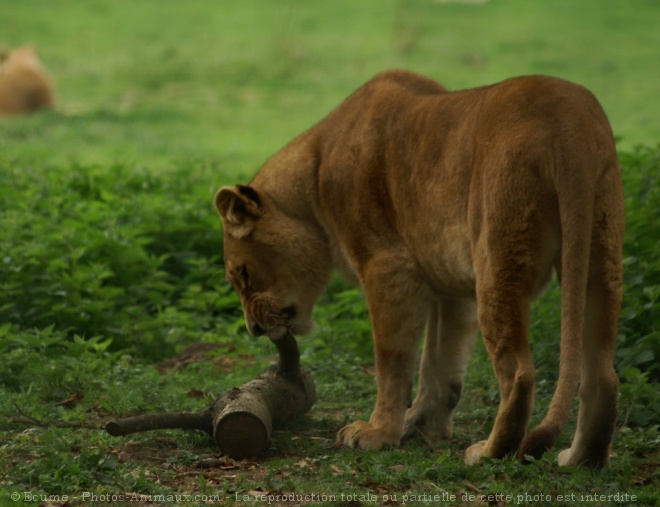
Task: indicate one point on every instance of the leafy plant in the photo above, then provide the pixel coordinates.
(106, 251)
(639, 326)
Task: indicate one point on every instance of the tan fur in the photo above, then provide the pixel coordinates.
(25, 87)
(452, 210)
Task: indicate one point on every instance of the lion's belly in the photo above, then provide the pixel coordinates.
(445, 257)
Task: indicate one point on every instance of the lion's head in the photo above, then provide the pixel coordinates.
(277, 264)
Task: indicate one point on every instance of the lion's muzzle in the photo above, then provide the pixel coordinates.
(261, 318)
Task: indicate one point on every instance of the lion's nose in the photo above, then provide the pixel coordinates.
(289, 312)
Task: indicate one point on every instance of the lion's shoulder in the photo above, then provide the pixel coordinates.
(411, 82)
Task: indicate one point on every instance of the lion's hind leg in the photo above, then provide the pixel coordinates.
(512, 261)
(503, 317)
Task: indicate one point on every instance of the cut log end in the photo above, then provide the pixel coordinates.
(241, 435)
(114, 429)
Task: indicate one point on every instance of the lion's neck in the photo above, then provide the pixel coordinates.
(289, 178)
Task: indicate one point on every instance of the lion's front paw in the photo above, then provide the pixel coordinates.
(362, 435)
(475, 452)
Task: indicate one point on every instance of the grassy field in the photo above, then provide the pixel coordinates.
(110, 250)
(158, 82)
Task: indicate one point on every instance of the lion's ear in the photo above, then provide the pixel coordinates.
(239, 206)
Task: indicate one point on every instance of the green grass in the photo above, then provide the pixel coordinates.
(110, 250)
(106, 271)
(157, 82)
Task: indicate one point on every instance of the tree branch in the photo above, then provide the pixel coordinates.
(241, 421)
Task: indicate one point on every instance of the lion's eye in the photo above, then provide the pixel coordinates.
(243, 273)
(238, 277)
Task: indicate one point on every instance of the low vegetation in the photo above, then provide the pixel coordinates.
(109, 271)
(110, 250)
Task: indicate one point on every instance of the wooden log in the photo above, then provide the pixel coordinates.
(242, 421)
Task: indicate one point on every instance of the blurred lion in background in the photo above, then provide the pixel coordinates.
(25, 86)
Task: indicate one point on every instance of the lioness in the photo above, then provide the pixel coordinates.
(25, 86)
(452, 210)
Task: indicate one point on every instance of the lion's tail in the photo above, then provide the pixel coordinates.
(575, 190)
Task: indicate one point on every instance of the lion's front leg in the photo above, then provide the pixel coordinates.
(398, 309)
(394, 372)
(450, 335)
